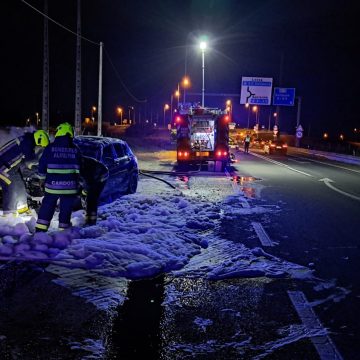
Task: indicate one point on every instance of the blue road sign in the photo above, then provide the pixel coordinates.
(284, 96)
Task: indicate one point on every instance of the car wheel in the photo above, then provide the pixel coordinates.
(133, 183)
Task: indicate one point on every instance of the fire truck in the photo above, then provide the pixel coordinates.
(202, 136)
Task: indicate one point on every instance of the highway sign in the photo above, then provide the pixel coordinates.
(284, 96)
(256, 91)
(300, 128)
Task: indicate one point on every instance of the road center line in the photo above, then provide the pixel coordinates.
(262, 234)
(323, 344)
(281, 164)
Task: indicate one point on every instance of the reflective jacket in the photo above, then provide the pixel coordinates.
(14, 152)
(59, 165)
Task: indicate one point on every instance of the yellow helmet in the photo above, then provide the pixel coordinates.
(41, 138)
(64, 129)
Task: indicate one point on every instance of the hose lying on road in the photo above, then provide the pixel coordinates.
(157, 178)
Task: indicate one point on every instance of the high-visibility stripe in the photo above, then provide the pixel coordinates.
(63, 171)
(5, 179)
(16, 162)
(41, 226)
(23, 210)
(42, 176)
(61, 192)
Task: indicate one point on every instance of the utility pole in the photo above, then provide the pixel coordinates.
(99, 127)
(78, 73)
(45, 94)
(277, 120)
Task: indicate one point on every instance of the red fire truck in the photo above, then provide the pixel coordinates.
(202, 136)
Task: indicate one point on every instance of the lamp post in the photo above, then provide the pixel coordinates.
(166, 107)
(202, 48)
(247, 105)
(93, 109)
(177, 94)
(185, 84)
(37, 119)
(274, 115)
(229, 108)
(120, 112)
(255, 110)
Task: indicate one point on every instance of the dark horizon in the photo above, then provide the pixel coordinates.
(147, 44)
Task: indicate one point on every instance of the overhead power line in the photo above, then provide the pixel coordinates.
(62, 26)
(121, 82)
(92, 42)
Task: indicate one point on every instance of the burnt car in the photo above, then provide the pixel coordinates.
(114, 153)
(275, 147)
(118, 158)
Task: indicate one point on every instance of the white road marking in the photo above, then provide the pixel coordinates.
(323, 344)
(281, 164)
(328, 182)
(262, 235)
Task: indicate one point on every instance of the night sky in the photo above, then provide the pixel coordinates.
(147, 42)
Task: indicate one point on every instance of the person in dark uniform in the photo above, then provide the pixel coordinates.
(94, 175)
(15, 154)
(247, 143)
(59, 169)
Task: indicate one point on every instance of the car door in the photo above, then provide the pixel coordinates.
(123, 162)
(114, 182)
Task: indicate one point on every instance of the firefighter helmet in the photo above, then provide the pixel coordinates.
(41, 138)
(64, 129)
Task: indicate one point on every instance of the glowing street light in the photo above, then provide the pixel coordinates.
(247, 106)
(177, 94)
(166, 107)
(203, 48)
(120, 112)
(93, 109)
(326, 135)
(185, 84)
(341, 137)
(255, 109)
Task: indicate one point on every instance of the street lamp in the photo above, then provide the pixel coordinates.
(185, 84)
(93, 109)
(229, 107)
(120, 112)
(37, 118)
(166, 107)
(177, 94)
(202, 48)
(247, 105)
(255, 110)
(274, 115)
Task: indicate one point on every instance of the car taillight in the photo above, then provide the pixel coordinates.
(218, 153)
(180, 153)
(186, 154)
(272, 145)
(225, 153)
(284, 146)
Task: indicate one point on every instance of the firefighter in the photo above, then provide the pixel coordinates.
(247, 143)
(14, 155)
(94, 175)
(59, 168)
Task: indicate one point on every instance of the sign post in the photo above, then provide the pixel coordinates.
(256, 91)
(299, 135)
